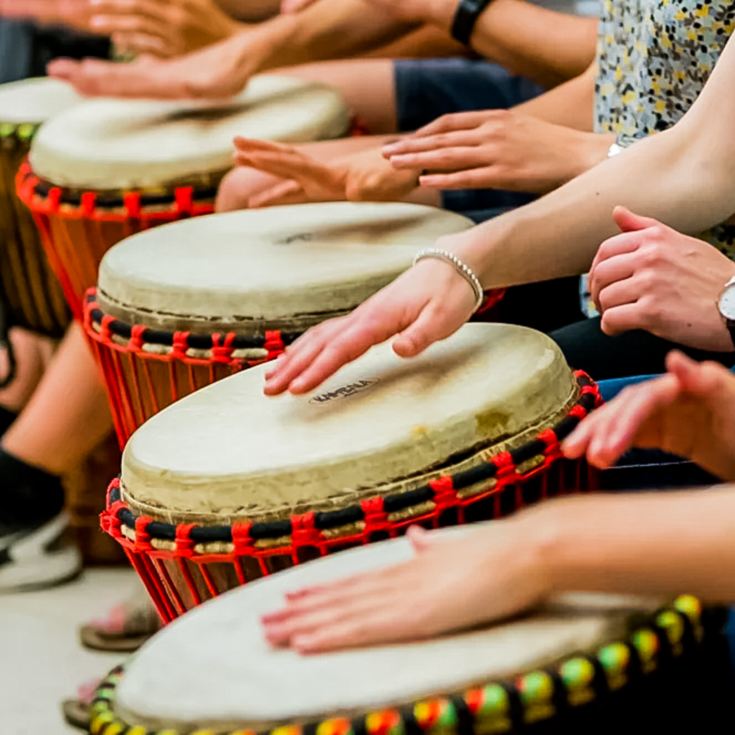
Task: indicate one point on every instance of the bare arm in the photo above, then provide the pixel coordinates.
(683, 177)
(250, 10)
(527, 39)
(328, 29)
(570, 104)
(664, 544)
(650, 544)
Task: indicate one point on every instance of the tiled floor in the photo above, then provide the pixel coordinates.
(41, 661)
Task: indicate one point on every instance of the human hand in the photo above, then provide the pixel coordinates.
(362, 176)
(218, 71)
(163, 28)
(498, 149)
(690, 412)
(71, 13)
(654, 278)
(427, 303)
(450, 584)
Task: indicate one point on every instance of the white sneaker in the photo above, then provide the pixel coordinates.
(38, 556)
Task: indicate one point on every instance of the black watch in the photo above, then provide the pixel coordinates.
(726, 306)
(465, 18)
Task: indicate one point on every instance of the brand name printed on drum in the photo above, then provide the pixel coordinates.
(299, 237)
(344, 392)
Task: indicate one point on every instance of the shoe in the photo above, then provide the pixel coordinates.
(37, 556)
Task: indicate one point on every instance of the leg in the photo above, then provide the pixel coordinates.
(372, 101)
(67, 416)
(32, 354)
(588, 348)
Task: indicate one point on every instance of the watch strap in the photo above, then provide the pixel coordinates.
(730, 324)
(465, 19)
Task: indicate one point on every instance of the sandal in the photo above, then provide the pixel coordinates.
(77, 711)
(125, 629)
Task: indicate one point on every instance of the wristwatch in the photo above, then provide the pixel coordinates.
(465, 19)
(726, 306)
(621, 143)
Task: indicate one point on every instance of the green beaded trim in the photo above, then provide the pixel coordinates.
(491, 705)
(13, 133)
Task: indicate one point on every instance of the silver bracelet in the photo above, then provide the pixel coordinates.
(460, 266)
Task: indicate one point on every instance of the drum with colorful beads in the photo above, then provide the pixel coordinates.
(181, 306)
(30, 289)
(573, 664)
(228, 485)
(110, 168)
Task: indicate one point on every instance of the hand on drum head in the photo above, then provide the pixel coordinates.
(446, 587)
(427, 303)
(161, 27)
(690, 412)
(361, 176)
(217, 71)
(499, 149)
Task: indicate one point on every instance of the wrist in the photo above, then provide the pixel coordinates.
(439, 13)
(266, 45)
(595, 150)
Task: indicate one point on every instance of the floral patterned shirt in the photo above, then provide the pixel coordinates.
(654, 57)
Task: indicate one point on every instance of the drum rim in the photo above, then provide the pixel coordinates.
(506, 467)
(576, 680)
(136, 336)
(41, 195)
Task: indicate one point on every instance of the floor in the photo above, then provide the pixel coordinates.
(41, 661)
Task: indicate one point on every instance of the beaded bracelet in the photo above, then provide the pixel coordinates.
(460, 266)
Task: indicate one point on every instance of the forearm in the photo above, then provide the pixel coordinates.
(570, 104)
(250, 10)
(653, 543)
(683, 177)
(544, 45)
(329, 29)
(558, 235)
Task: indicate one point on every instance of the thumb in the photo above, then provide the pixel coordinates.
(628, 221)
(419, 538)
(705, 380)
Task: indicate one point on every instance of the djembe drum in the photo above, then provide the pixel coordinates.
(110, 168)
(186, 304)
(582, 664)
(227, 485)
(31, 291)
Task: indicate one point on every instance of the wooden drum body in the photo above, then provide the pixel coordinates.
(228, 485)
(110, 168)
(31, 290)
(181, 307)
(580, 664)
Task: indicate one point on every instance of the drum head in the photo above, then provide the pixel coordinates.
(34, 101)
(229, 452)
(278, 268)
(213, 668)
(111, 144)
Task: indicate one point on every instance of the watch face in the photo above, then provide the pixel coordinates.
(727, 303)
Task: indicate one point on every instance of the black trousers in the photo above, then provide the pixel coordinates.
(553, 307)
(26, 49)
(586, 347)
